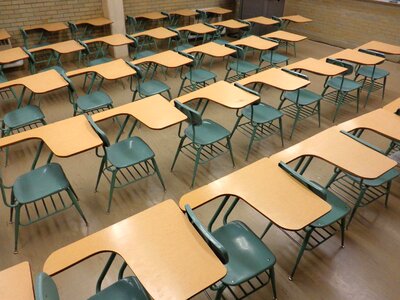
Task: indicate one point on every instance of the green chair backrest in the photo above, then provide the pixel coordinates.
(343, 64)
(316, 189)
(194, 117)
(294, 73)
(24, 37)
(84, 45)
(212, 242)
(271, 40)
(99, 131)
(45, 288)
(194, 62)
(239, 50)
(240, 86)
(135, 41)
(372, 52)
(71, 87)
(203, 16)
(74, 30)
(139, 72)
(279, 20)
(31, 59)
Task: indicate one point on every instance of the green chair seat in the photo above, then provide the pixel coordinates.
(367, 71)
(243, 67)
(306, 97)
(93, 101)
(275, 59)
(58, 69)
(388, 176)
(152, 87)
(99, 61)
(207, 133)
(262, 113)
(20, 117)
(220, 41)
(40, 183)
(348, 85)
(129, 152)
(144, 53)
(200, 75)
(248, 255)
(128, 288)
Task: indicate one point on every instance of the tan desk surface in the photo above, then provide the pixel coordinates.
(169, 59)
(159, 33)
(155, 112)
(276, 78)
(97, 22)
(316, 66)
(16, 283)
(151, 16)
(231, 24)
(262, 21)
(381, 121)
(357, 57)
(50, 27)
(62, 47)
(269, 190)
(381, 47)
(212, 49)
(39, 83)
(184, 12)
(12, 55)
(342, 151)
(112, 40)
(255, 42)
(217, 10)
(4, 35)
(223, 93)
(393, 106)
(64, 138)
(285, 36)
(296, 19)
(163, 249)
(198, 28)
(112, 70)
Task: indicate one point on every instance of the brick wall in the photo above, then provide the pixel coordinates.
(346, 23)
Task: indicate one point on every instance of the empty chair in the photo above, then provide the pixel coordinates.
(41, 42)
(303, 103)
(181, 40)
(259, 121)
(33, 63)
(135, 49)
(196, 76)
(132, 159)
(342, 87)
(207, 139)
(76, 35)
(239, 65)
(245, 256)
(271, 57)
(371, 75)
(217, 36)
(146, 88)
(172, 21)
(133, 25)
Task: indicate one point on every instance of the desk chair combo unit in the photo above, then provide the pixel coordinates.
(238, 64)
(44, 31)
(84, 29)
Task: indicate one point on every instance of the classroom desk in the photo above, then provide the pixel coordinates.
(393, 106)
(231, 24)
(341, 151)
(49, 27)
(255, 42)
(198, 28)
(184, 12)
(285, 36)
(212, 49)
(61, 48)
(380, 121)
(262, 21)
(276, 78)
(111, 40)
(317, 66)
(381, 47)
(163, 249)
(357, 57)
(96, 22)
(12, 55)
(159, 33)
(217, 10)
(64, 138)
(112, 70)
(153, 16)
(16, 283)
(223, 93)
(269, 190)
(168, 59)
(296, 19)
(4, 35)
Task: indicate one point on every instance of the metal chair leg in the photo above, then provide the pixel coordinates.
(178, 150)
(301, 252)
(196, 165)
(158, 172)
(112, 186)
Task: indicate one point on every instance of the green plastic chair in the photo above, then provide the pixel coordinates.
(172, 21)
(205, 139)
(40, 194)
(217, 36)
(128, 288)
(245, 256)
(41, 42)
(259, 120)
(149, 87)
(133, 25)
(303, 103)
(342, 87)
(240, 66)
(361, 192)
(33, 63)
(271, 57)
(181, 40)
(135, 49)
(371, 75)
(89, 103)
(196, 76)
(132, 159)
(321, 229)
(76, 34)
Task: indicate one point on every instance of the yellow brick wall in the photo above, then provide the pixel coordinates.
(346, 23)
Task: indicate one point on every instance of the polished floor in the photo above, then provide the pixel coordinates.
(367, 268)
